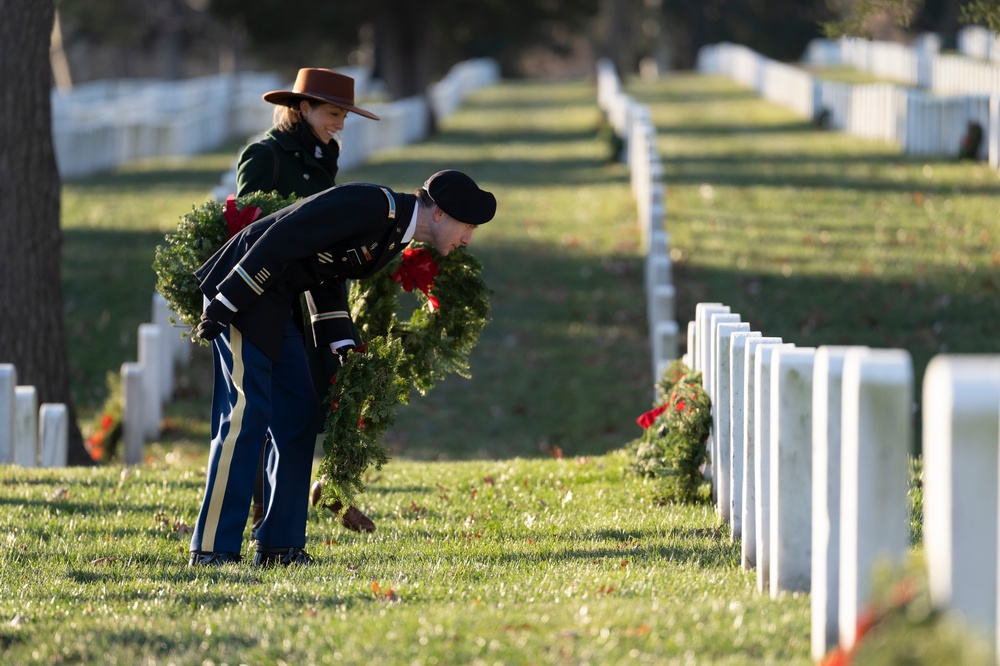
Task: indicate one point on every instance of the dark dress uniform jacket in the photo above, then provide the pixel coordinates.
(347, 232)
(279, 163)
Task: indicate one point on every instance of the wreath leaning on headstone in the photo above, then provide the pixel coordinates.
(672, 449)
(450, 307)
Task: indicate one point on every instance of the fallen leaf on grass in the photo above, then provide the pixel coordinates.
(524, 626)
(106, 560)
(638, 631)
(384, 593)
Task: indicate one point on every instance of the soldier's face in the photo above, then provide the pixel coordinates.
(449, 233)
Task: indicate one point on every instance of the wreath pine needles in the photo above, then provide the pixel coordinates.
(400, 354)
(672, 449)
(363, 401)
(199, 235)
(439, 342)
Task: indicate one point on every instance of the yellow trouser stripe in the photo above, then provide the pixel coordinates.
(228, 446)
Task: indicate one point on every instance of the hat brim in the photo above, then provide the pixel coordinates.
(289, 97)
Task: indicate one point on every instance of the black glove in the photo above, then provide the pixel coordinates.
(342, 353)
(214, 320)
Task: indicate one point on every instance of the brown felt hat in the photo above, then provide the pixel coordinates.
(320, 85)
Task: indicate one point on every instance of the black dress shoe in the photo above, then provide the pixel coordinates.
(269, 557)
(212, 559)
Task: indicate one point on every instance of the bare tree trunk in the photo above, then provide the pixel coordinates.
(403, 29)
(32, 334)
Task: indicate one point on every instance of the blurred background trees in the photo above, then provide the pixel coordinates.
(408, 44)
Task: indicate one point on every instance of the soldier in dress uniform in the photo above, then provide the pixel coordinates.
(262, 381)
(298, 156)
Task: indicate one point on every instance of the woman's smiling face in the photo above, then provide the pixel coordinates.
(325, 120)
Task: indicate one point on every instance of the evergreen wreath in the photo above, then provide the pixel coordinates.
(672, 448)
(199, 234)
(434, 341)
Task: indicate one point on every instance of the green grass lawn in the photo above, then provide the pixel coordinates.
(514, 561)
(488, 548)
(819, 237)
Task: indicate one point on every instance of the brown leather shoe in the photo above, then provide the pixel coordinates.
(352, 519)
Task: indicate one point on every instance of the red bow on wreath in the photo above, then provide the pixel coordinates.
(237, 219)
(649, 418)
(417, 270)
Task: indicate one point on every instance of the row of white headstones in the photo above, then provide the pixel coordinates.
(810, 447)
(634, 126)
(33, 435)
(810, 452)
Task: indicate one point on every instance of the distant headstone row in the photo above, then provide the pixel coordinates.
(631, 122)
(919, 121)
(810, 453)
(100, 125)
(33, 435)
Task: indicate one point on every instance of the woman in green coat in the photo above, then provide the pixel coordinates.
(298, 156)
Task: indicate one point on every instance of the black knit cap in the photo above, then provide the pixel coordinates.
(459, 196)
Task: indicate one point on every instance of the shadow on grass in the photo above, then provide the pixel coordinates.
(108, 285)
(166, 175)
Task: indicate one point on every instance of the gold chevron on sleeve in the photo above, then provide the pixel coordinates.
(257, 289)
(328, 316)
